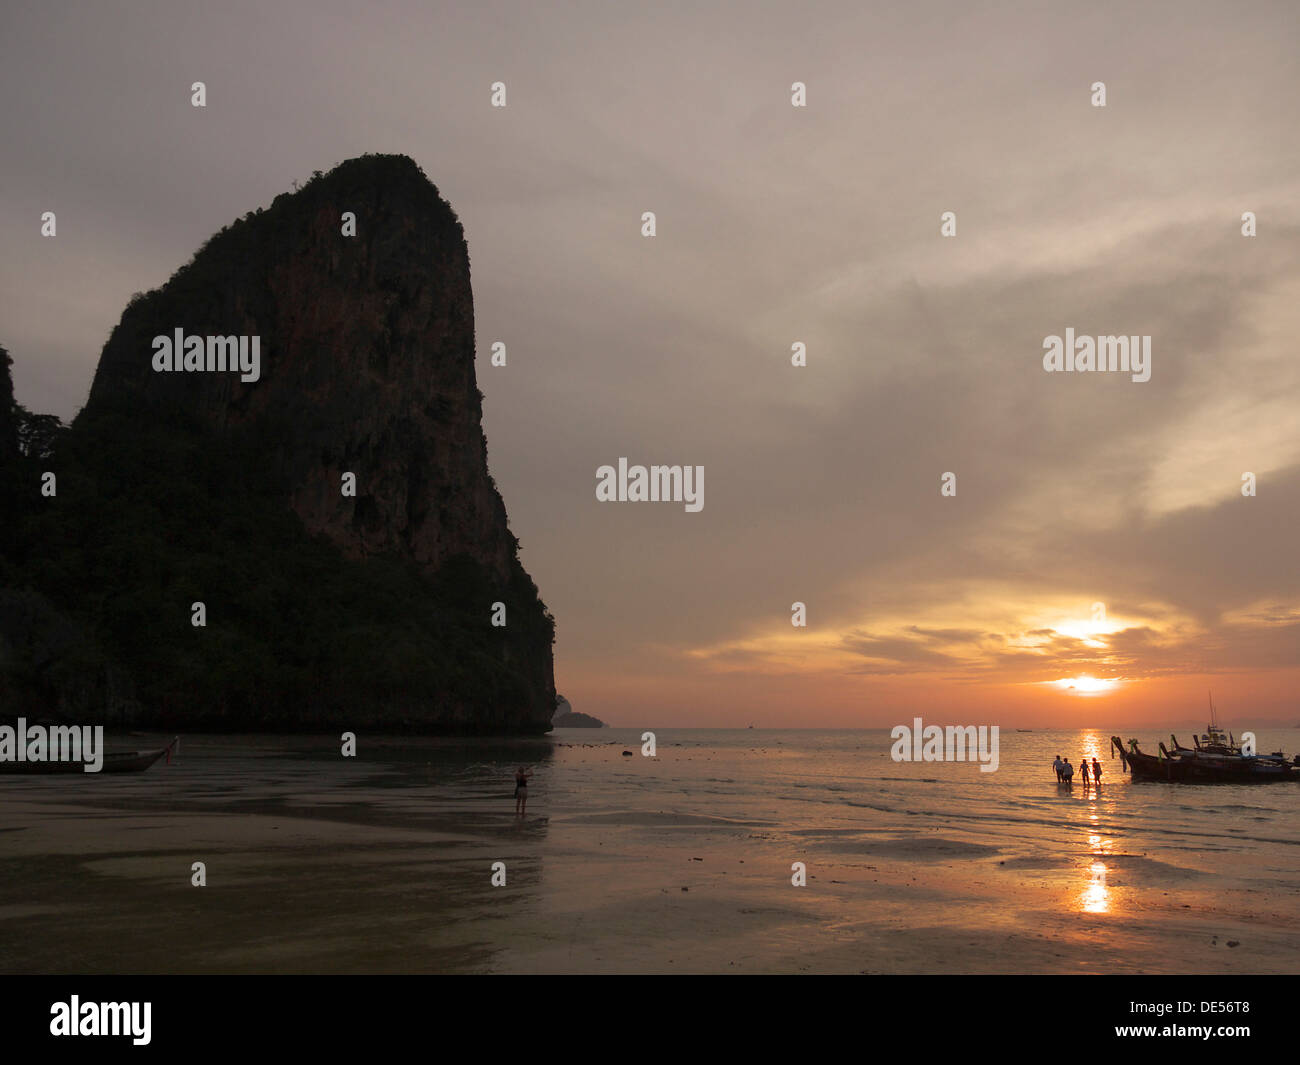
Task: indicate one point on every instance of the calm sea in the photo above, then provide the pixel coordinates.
(811, 779)
(624, 863)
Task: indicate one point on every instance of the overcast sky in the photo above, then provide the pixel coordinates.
(776, 224)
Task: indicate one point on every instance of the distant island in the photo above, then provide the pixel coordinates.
(576, 720)
(567, 717)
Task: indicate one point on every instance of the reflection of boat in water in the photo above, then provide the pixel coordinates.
(1216, 758)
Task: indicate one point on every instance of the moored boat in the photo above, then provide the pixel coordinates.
(115, 762)
(1216, 762)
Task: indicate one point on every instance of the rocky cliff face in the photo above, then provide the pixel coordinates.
(367, 361)
(8, 412)
(324, 607)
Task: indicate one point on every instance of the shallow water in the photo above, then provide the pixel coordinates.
(678, 862)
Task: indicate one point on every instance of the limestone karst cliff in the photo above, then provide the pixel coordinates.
(8, 412)
(208, 486)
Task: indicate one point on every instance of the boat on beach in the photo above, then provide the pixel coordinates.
(115, 762)
(1215, 758)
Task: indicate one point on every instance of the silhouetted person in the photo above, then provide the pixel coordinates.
(1096, 771)
(1067, 772)
(1056, 764)
(1083, 769)
(521, 790)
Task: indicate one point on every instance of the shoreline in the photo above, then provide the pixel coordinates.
(386, 866)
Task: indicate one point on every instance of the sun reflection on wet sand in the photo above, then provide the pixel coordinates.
(1096, 896)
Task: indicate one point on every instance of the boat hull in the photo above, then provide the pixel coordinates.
(1185, 769)
(1149, 767)
(133, 762)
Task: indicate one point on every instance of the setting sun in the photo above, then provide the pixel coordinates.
(1087, 685)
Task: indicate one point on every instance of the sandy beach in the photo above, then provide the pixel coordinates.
(384, 864)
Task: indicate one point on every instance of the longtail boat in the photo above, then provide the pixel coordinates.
(1219, 760)
(114, 762)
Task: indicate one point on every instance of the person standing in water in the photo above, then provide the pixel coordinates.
(1067, 772)
(1083, 769)
(521, 790)
(1096, 771)
(1056, 764)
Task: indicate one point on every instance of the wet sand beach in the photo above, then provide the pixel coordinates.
(681, 863)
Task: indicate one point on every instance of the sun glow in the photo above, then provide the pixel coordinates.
(1086, 685)
(1096, 896)
(1090, 632)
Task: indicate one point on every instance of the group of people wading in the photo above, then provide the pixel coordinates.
(1065, 771)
